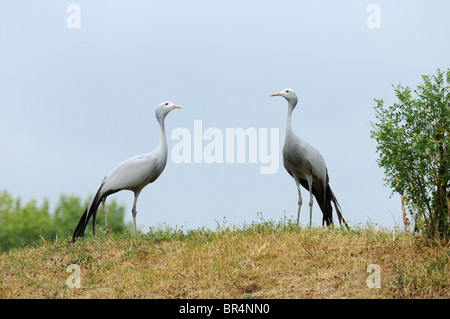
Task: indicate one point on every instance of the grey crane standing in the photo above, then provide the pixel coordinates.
(307, 166)
(133, 174)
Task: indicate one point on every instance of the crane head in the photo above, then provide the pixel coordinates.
(288, 94)
(164, 108)
(169, 106)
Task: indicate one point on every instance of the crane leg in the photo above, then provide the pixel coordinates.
(105, 213)
(311, 201)
(134, 211)
(299, 202)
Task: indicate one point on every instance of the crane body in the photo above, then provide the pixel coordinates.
(133, 175)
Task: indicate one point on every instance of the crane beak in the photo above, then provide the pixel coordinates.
(276, 94)
(176, 106)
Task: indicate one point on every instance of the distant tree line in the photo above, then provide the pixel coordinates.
(23, 224)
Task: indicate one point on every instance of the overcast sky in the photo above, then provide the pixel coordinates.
(79, 86)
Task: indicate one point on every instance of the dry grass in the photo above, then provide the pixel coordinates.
(264, 260)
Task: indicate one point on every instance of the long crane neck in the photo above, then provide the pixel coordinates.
(291, 106)
(162, 138)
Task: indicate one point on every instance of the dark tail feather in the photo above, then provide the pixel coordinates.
(79, 231)
(338, 208)
(324, 201)
(325, 206)
(91, 210)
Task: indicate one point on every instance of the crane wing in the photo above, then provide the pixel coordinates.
(131, 174)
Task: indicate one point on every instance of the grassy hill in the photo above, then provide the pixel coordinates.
(261, 260)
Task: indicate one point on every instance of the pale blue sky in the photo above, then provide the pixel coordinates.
(76, 102)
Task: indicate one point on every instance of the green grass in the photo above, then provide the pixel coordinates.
(264, 259)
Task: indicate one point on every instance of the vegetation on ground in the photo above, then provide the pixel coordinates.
(265, 259)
